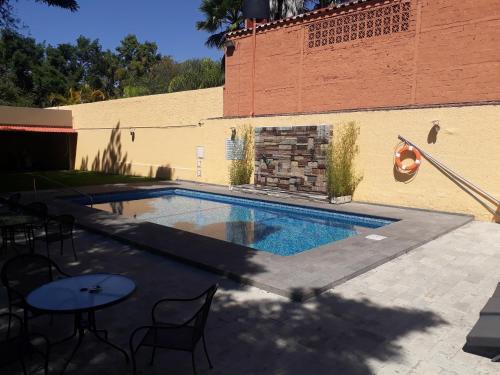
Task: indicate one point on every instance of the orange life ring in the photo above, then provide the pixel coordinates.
(415, 154)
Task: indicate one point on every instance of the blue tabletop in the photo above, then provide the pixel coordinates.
(81, 293)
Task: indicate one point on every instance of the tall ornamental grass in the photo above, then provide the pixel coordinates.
(341, 176)
(241, 168)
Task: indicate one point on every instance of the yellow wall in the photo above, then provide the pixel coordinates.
(167, 131)
(34, 116)
(469, 143)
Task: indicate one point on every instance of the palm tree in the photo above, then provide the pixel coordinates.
(286, 8)
(221, 17)
(71, 5)
(317, 4)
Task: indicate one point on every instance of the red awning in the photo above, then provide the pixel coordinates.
(36, 129)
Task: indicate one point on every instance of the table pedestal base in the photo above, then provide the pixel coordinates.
(89, 325)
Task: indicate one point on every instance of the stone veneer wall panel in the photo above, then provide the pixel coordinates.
(292, 158)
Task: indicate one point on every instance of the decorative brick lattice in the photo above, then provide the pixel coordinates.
(367, 24)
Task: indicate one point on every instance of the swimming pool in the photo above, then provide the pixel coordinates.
(281, 229)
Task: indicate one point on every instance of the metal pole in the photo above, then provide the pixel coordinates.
(452, 173)
(254, 47)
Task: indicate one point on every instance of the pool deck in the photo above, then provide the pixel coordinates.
(409, 316)
(297, 277)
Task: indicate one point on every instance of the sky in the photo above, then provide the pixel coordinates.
(169, 23)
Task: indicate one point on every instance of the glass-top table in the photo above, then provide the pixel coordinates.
(82, 296)
(12, 220)
(81, 293)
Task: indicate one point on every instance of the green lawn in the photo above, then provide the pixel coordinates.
(11, 182)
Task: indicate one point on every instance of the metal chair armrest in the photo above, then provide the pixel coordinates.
(163, 300)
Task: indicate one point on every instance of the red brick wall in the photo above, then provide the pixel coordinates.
(448, 52)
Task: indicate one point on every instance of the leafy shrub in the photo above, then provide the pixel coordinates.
(241, 168)
(340, 172)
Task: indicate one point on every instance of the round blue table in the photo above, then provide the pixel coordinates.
(83, 295)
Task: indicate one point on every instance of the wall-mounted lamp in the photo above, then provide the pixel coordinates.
(435, 125)
(233, 134)
(132, 134)
(433, 133)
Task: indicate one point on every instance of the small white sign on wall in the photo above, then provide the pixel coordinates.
(200, 152)
(234, 149)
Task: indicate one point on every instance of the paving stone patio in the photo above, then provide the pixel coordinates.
(408, 316)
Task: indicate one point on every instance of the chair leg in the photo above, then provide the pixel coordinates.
(206, 352)
(27, 240)
(192, 360)
(46, 358)
(26, 318)
(10, 321)
(153, 353)
(23, 365)
(46, 364)
(73, 245)
(48, 249)
(132, 355)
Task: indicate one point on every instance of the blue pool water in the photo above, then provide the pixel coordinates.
(273, 227)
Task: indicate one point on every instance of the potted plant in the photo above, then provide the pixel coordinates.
(241, 168)
(341, 177)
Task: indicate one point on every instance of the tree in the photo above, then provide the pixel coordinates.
(317, 4)
(197, 74)
(35, 74)
(286, 8)
(9, 21)
(161, 74)
(85, 95)
(221, 17)
(21, 59)
(135, 62)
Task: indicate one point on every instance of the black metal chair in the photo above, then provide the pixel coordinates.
(182, 337)
(39, 209)
(22, 274)
(58, 229)
(16, 343)
(9, 234)
(13, 201)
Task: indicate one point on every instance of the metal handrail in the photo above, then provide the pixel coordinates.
(466, 182)
(63, 185)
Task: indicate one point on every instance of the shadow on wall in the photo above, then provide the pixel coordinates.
(402, 177)
(163, 172)
(112, 160)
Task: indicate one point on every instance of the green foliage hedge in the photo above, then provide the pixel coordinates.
(341, 175)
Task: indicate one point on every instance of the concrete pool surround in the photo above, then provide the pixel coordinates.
(297, 277)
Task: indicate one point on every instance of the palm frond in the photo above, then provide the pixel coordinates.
(71, 5)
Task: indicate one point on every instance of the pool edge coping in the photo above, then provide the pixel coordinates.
(306, 292)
